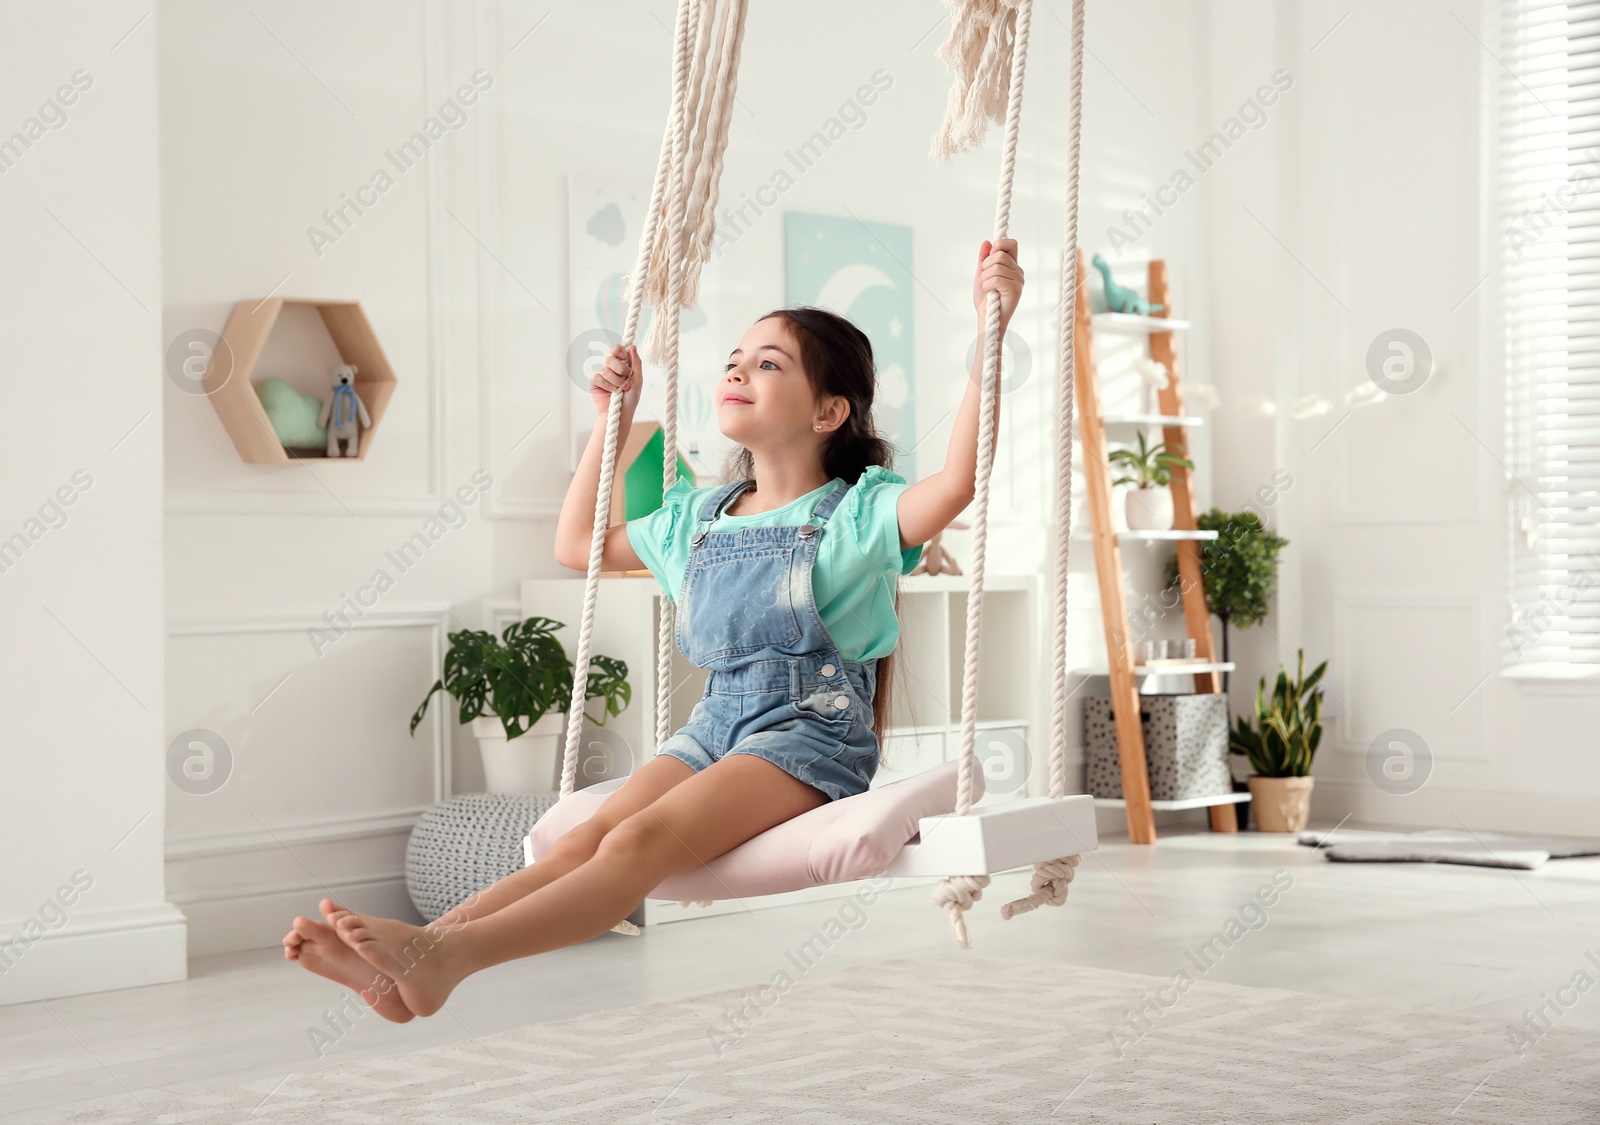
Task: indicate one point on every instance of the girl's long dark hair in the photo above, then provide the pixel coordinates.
(837, 357)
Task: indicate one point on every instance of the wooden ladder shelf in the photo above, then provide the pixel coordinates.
(1108, 552)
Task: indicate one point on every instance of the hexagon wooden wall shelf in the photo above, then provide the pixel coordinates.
(227, 378)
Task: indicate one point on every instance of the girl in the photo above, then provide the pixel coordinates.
(784, 580)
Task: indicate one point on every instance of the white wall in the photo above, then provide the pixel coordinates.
(1371, 191)
(82, 803)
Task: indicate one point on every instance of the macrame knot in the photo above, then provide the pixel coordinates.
(1050, 879)
(957, 893)
(978, 52)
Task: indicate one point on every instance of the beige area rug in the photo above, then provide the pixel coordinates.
(955, 1038)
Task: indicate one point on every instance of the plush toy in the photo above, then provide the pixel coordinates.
(1119, 298)
(341, 411)
(293, 415)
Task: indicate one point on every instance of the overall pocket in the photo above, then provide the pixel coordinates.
(737, 602)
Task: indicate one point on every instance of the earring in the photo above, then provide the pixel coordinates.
(819, 425)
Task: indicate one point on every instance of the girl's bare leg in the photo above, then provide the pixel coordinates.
(318, 948)
(697, 820)
(644, 786)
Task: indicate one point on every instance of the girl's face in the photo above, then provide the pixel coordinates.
(765, 399)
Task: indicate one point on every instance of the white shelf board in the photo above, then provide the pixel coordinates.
(960, 583)
(1131, 324)
(1150, 536)
(1183, 668)
(1174, 806)
(1172, 534)
(951, 728)
(1152, 420)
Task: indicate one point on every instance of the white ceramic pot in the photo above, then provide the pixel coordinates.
(1148, 509)
(529, 763)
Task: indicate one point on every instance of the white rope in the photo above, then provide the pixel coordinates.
(712, 86)
(977, 61)
(1050, 878)
(608, 453)
(667, 316)
(979, 50)
(666, 268)
(660, 273)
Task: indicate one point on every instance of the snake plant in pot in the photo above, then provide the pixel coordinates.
(1280, 746)
(516, 692)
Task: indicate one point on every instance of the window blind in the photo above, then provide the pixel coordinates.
(1549, 209)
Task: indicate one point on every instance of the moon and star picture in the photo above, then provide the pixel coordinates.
(862, 270)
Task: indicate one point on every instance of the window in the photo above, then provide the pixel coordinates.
(1549, 203)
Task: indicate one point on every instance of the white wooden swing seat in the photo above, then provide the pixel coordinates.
(906, 828)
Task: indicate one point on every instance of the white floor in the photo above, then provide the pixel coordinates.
(1452, 938)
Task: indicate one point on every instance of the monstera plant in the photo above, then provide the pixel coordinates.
(522, 676)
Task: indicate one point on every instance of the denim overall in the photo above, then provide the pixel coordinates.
(778, 687)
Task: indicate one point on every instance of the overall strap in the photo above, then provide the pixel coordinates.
(828, 503)
(723, 496)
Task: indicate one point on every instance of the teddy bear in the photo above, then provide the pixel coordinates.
(341, 411)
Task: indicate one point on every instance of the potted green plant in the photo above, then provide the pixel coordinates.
(1240, 567)
(1148, 504)
(516, 691)
(1280, 745)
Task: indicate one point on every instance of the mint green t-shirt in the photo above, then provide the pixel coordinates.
(857, 560)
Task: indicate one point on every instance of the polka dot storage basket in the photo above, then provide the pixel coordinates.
(1185, 746)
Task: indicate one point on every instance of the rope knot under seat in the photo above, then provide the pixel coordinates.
(957, 893)
(1050, 879)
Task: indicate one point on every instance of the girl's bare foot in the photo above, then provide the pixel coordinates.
(424, 965)
(318, 948)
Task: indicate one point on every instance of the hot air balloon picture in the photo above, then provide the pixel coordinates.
(605, 219)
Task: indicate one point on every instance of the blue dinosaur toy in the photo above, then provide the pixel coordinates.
(1119, 298)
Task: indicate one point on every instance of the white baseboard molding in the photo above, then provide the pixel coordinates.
(258, 918)
(96, 952)
(1431, 807)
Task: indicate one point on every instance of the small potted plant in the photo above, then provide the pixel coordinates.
(1148, 505)
(1280, 746)
(516, 693)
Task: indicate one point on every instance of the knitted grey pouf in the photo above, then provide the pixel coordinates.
(467, 843)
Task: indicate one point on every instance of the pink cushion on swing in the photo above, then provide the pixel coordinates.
(849, 838)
